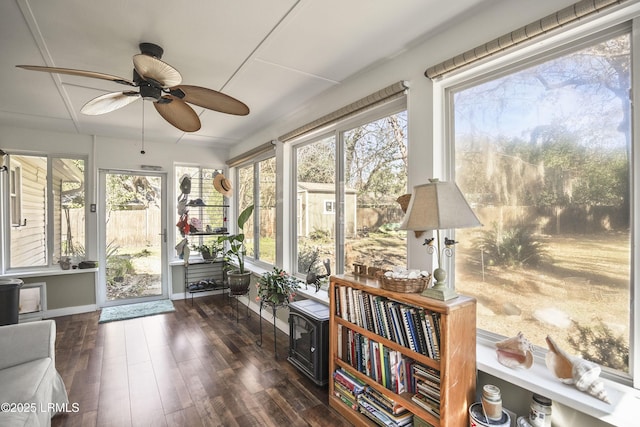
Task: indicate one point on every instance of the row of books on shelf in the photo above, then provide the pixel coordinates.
(416, 328)
(427, 389)
(388, 367)
(372, 404)
(376, 406)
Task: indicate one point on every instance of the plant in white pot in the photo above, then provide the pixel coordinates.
(239, 278)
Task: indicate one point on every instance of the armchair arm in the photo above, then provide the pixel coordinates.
(25, 342)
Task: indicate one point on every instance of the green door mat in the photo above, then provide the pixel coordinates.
(130, 311)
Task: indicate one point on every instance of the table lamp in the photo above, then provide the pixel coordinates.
(438, 205)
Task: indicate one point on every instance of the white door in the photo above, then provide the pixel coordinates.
(133, 238)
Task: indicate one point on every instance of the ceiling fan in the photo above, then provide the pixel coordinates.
(158, 82)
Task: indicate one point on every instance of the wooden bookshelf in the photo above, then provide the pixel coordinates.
(455, 360)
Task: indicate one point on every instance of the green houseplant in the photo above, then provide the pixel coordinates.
(277, 286)
(209, 251)
(239, 278)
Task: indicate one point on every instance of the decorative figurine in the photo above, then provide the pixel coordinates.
(575, 370)
(515, 352)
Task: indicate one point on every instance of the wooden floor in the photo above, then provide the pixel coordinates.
(193, 367)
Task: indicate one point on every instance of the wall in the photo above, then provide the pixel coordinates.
(68, 290)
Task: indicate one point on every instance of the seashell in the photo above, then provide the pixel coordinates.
(575, 370)
(515, 352)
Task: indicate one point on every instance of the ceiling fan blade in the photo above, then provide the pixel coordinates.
(152, 68)
(109, 102)
(81, 73)
(213, 100)
(178, 113)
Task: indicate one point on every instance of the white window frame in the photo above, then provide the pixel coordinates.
(15, 197)
(255, 161)
(5, 264)
(332, 204)
(337, 130)
(572, 36)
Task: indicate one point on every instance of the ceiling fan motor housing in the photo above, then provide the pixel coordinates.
(151, 50)
(150, 93)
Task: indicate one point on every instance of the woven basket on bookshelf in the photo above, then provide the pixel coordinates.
(403, 285)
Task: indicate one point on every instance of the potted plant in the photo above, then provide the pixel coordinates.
(209, 251)
(277, 286)
(239, 278)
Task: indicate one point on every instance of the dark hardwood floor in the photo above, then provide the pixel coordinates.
(193, 367)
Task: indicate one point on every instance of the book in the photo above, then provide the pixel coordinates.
(340, 343)
(397, 324)
(425, 404)
(349, 381)
(385, 401)
(427, 333)
(401, 374)
(383, 317)
(363, 317)
(356, 307)
(341, 389)
(351, 305)
(381, 414)
(436, 327)
(425, 389)
(434, 338)
(343, 302)
(419, 331)
(375, 312)
(407, 328)
(352, 403)
(368, 313)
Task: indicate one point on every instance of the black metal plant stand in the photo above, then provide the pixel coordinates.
(274, 309)
(236, 296)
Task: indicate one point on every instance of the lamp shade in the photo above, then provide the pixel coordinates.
(438, 205)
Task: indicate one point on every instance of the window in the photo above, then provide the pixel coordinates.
(47, 210)
(257, 182)
(329, 206)
(15, 194)
(357, 221)
(542, 153)
(315, 183)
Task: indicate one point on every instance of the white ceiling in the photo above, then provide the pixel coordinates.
(274, 55)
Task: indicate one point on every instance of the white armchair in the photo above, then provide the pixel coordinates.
(31, 389)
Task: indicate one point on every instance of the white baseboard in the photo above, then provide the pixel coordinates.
(67, 311)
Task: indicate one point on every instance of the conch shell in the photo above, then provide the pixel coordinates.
(515, 352)
(575, 370)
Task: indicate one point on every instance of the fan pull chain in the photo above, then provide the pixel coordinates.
(142, 151)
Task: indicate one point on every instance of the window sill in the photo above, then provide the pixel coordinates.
(53, 271)
(538, 379)
(321, 296)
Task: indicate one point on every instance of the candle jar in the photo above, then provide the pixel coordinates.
(492, 402)
(540, 413)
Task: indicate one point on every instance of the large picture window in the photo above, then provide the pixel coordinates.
(542, 152)
(356, 222)
(46, 210)
(257, 186)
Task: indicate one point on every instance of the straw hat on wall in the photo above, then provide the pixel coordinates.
(222, 185)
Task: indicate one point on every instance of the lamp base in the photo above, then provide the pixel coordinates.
(442, 293)
(440, 290)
